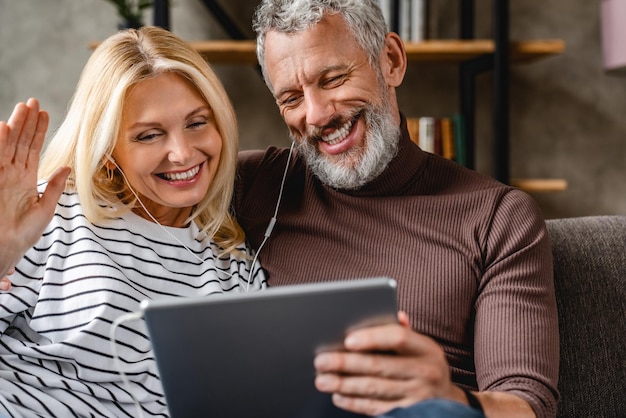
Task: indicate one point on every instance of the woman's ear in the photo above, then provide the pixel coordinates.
(109, 163)
(393, 61)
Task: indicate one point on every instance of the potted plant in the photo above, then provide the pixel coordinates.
(130, 12)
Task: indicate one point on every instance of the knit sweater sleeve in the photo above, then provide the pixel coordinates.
(516, 328)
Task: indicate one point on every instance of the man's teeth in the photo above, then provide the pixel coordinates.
(338, 135)
(182, 176)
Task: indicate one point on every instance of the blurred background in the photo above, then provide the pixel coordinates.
(567, 113)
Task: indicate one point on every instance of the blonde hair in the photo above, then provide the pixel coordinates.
(87, 136)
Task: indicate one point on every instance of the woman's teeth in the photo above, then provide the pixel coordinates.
(338, 135)
(182, 176)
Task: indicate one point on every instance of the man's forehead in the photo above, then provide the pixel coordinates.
(313, 50)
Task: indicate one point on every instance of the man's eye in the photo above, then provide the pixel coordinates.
(335, 81)
(289, 101)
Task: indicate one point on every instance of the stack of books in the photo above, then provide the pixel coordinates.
(408, 18)
(440, 135)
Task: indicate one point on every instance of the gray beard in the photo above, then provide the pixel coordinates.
(379, 148)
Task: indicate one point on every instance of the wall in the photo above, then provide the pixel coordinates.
(566, 112)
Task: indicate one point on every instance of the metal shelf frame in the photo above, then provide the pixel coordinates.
(499, 63)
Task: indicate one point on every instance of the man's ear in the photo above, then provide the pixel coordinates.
(393, 60)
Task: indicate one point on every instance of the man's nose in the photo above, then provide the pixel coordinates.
(320, 108)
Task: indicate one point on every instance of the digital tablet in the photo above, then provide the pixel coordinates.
(251, 354)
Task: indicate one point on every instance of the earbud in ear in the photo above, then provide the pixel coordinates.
(110, 163)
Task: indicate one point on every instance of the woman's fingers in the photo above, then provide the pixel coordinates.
(25, 213)
(56, 185)
(22, 142)
(34, 152)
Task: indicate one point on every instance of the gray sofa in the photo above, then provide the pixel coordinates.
(590, 281)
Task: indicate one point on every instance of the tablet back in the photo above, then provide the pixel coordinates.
(251, 354)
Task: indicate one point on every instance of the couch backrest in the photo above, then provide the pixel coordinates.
(590, 281)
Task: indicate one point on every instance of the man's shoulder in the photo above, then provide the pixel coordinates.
(260, 156)
(268, 162)
(451, 176)
(450, 180)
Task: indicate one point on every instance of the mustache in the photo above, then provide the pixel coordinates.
(315, 133)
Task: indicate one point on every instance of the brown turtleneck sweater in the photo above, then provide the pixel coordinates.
(471, 256)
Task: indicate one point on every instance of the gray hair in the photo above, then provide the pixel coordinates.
(363, 17)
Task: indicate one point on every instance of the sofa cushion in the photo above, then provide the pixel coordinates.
(590, 283)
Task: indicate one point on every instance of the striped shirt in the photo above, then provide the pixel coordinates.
(55, 351)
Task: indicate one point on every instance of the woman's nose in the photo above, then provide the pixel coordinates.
(180, 149)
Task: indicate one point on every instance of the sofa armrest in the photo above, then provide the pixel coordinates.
(590, 283)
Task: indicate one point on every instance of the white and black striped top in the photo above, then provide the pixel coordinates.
(55, 353)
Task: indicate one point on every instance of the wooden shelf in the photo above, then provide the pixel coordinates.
(226, 51)
(453, 51)
(243, 52)
(540, 185)
(532, 50)
(457, 51)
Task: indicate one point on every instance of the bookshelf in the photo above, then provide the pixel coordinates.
(472, 56)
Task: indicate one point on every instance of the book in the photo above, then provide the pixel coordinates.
(388, 9)
(427, 134)
(447, 138)
(442, 136)
(437, 133)
(409, 18)
(404, 19)
(419, 17)
(413, 126)
(458, 128)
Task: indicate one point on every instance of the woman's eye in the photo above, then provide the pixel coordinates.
(146, 137)
(197, 124)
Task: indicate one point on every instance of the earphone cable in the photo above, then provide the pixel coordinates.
(268, 230)
(132, 316)
(158, 223)
(270, 226)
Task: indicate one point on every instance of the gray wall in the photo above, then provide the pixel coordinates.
(566, 112)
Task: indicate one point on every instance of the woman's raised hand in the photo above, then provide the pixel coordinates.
(24, 213)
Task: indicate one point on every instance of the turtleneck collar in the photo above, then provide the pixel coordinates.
(402, 171)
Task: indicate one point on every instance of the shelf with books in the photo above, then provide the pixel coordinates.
(437, 51)
(412, 20)
(439, 135)
(444, 136)
(473, 56)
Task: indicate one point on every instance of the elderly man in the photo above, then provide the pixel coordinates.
(471, 256)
